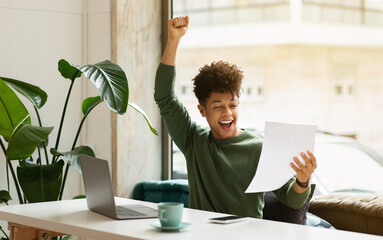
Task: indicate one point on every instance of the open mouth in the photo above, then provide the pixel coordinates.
(226, 124)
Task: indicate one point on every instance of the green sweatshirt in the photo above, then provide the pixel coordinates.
(219, 170)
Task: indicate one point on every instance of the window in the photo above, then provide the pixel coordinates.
(218, 12)
(253, 83)
(343, 78)
(288, 76)
(369, 12)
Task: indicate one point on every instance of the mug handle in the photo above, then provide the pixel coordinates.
(161, 215)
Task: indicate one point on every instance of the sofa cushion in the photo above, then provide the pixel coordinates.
(360, 213)
(315, 221)
(163, 191)
(276, 210)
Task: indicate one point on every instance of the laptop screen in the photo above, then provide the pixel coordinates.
(98, 185)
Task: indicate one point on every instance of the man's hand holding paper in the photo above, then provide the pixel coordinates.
(283, 144)
(304, 171)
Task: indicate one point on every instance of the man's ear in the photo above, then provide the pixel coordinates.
(202, 110)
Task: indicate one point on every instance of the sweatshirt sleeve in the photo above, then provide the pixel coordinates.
(175, 115)
(165, 80)
(290, 197)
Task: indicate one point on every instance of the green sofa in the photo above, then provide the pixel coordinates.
(163, 191)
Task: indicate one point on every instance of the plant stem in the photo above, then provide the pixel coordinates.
(45, 147)
(73, 146)
(78, 132)
(6, 162)
(3, 147)
(6, 235)
(15, 180)
(7, 167)
(62, 118)
(46, 153)
(39, 159)
(67, 165)
(42, 190)
(64, 181)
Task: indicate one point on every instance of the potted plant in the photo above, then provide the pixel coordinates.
(44, 178)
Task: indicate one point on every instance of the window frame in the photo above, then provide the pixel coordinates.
(167, 156)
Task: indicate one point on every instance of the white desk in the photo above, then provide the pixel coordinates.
(73, 217)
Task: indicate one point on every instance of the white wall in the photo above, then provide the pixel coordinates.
(97, 48)
(34, 36)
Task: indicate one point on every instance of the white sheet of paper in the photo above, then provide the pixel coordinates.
(282, 141)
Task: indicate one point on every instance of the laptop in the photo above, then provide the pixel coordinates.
(99, 192)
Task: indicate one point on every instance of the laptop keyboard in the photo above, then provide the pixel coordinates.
(127, 212)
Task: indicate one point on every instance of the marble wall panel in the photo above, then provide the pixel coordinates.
(137, 49)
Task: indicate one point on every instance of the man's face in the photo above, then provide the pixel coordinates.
(221, 112)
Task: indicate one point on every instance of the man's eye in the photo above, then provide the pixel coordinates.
(234, 106)
(217, 108)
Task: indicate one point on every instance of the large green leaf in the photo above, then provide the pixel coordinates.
(138, 109)
(12, 111)
(89, 103)
(73, 157)
(40, 183)
(68, 71)
(4, 197)
(111, 83)
(25, 139)
(35, 94)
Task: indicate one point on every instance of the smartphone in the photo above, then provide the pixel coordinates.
(227, 219)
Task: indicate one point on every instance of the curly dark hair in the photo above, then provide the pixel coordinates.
(217, 77)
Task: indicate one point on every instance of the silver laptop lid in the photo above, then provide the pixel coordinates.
(98, 186)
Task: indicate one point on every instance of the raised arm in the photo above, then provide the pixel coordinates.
(175, 115)
(177, 27)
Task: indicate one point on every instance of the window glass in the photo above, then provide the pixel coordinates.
(368, 12)
(318, 67)
(374, 4)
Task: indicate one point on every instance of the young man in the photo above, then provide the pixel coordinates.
(221, 160)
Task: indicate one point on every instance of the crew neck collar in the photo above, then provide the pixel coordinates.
(237, 138)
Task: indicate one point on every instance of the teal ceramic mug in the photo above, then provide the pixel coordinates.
(170, 213)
